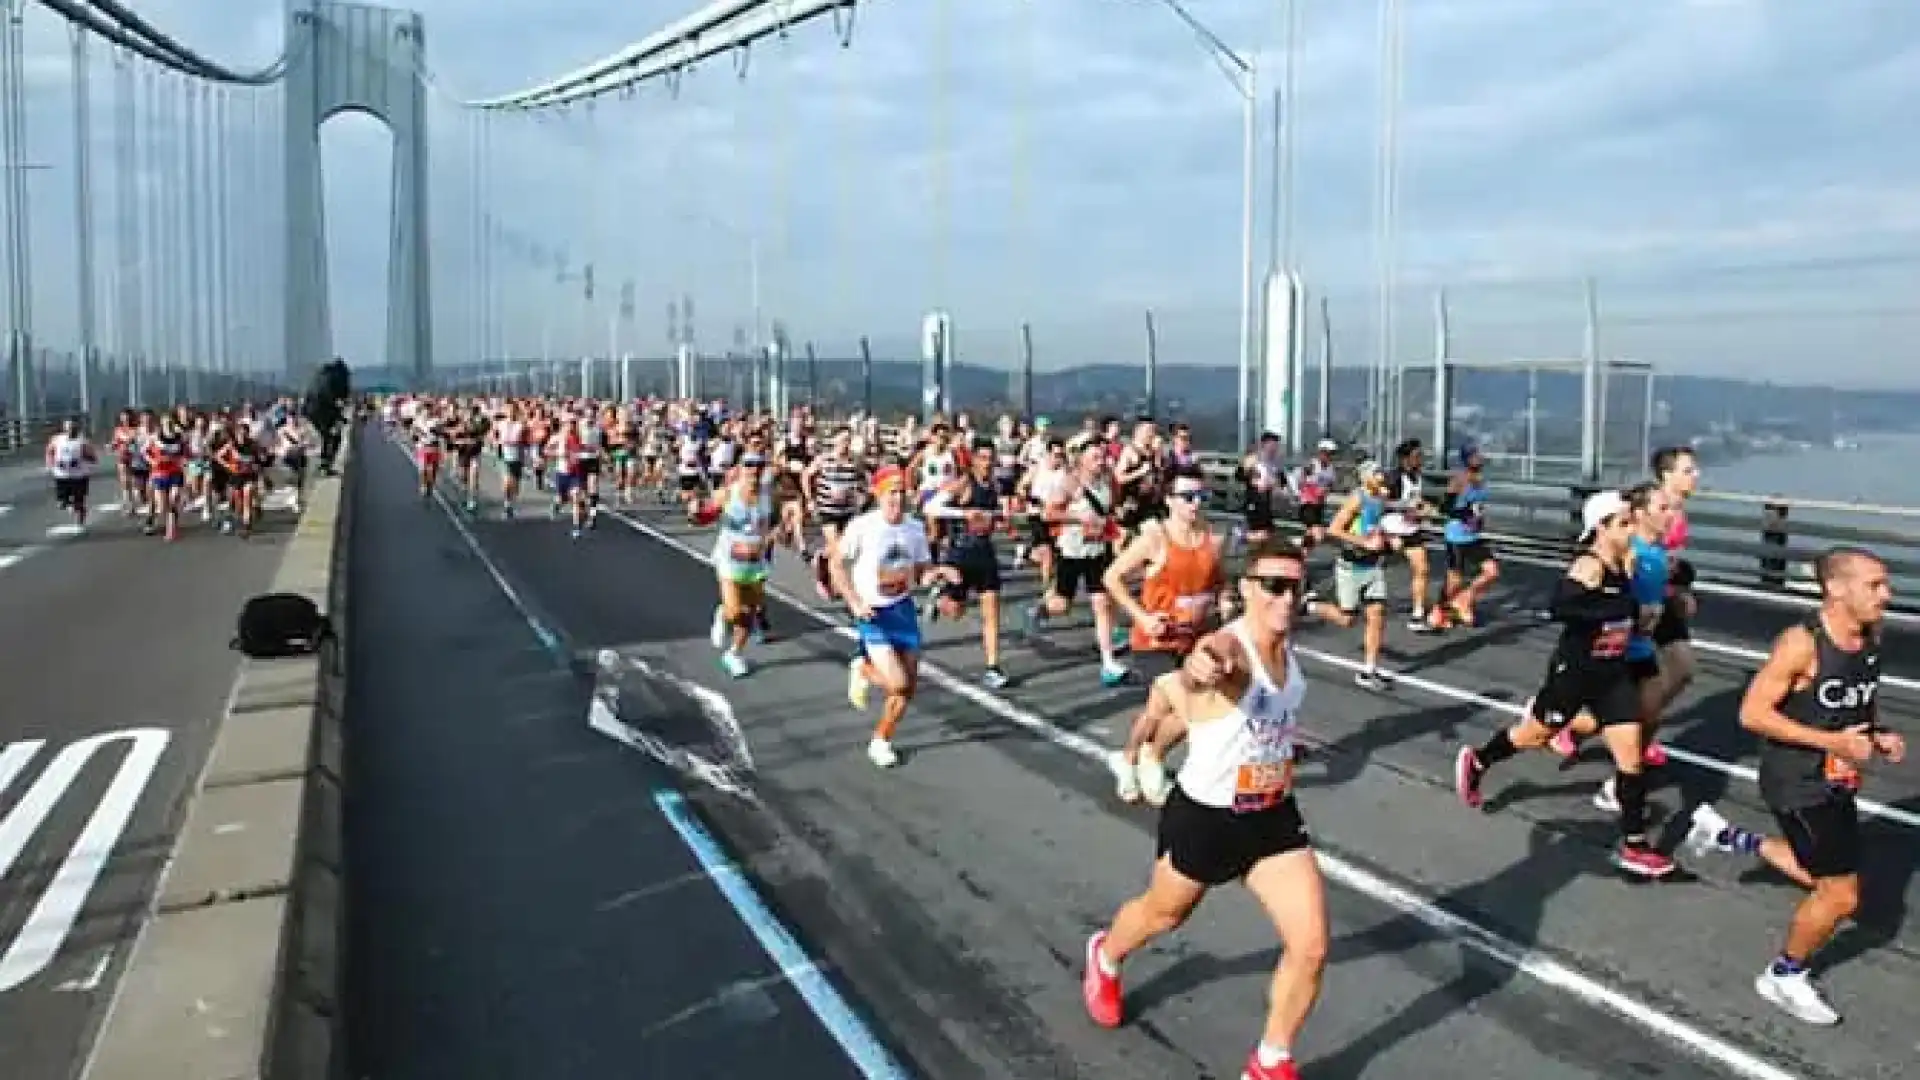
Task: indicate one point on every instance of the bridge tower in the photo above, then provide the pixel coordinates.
(356, 58)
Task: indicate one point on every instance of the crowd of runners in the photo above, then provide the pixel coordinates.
(911, 524)
(172, 465)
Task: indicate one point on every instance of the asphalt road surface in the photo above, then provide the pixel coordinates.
(948, 900)
(114, 674)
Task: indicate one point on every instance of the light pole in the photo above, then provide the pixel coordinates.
(1242, 74)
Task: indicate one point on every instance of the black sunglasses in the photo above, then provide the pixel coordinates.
(1278, 584)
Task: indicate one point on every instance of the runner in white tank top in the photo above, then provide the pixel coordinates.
(1232, 813)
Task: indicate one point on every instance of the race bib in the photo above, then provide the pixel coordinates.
(1610, 643)
(1841, 774)
(980, 522)
(1261, 786)
(894, 581)
(744, 551)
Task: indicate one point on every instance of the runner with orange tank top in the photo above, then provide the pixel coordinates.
(1181, 589)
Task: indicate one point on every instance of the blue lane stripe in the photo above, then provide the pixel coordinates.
(856, 1039)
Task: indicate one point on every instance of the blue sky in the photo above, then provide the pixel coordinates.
(1739, 176)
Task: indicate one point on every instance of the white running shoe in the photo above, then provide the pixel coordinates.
(1126, 785)
(857, 685)
(880, 752)
(1703, 832)
(1796, 995)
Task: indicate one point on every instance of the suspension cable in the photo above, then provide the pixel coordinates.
(137, 35)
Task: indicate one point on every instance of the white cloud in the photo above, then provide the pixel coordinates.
(1069, 162)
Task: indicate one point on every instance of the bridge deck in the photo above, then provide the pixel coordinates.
(951, 897)
(114, 673)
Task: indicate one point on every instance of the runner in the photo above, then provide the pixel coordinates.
(1678, 473)
(836, 479)
(1081, 511)
(740, 559)
(971, 503)
(1359, 571)
(1310, 484)
(1471, 567)
(1262, 474)
(1650, 576)
(70, 461)
(880, 556)
(469, 438)
(1589, 672)
(1814, 706)
(1407, 486)
(511, 439)
(1232, 814)
(1182, 583)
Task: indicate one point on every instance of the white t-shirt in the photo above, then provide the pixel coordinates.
(69, 455)
(884, 556)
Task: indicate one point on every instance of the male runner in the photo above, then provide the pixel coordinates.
(1814, 706)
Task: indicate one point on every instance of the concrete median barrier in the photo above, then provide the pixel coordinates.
(237, 973)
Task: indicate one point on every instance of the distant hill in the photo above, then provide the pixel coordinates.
(1203, 395)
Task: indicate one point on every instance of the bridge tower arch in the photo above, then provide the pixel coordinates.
(346, 57)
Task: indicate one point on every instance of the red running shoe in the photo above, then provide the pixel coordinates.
(1286, 1070)
(1100, 990)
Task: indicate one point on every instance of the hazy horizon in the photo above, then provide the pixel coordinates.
(1735, 174)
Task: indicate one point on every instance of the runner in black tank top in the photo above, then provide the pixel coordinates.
(970, 505)
(1814, 706)
(1588, 673)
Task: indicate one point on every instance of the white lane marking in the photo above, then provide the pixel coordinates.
(1486, 942)
(1870, 807)
(65, 531)
(17, 556)
(91, 980)
(5, 509)
(1755, 656)
(52, 919)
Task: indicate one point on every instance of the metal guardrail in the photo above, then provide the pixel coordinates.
(1758, 545)
(23, 436)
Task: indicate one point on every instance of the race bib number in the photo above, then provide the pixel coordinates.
(1650, 616)
(1610, 643)
(1261, 786)
(894, 581)
(1841, 774)
(744, 551)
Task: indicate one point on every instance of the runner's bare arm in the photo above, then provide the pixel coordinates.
(1788, 666)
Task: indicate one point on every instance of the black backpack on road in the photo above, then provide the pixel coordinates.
(275, 625)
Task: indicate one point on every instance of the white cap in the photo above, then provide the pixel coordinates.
(1329, 445)
(1368, 470)
(1600, 506)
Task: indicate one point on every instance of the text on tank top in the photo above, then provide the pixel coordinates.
(1840, 695)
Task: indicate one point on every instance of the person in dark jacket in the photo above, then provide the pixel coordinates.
(327, 403)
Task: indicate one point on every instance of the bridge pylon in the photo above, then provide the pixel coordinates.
(357, 58)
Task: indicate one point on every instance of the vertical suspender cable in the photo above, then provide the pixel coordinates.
(222, 232)
(943, 150)
(190, 198)
(83, 215)
(1023, 246)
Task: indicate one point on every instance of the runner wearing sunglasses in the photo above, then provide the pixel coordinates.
(1232, 814)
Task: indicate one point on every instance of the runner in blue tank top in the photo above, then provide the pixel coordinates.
(1471, 567)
